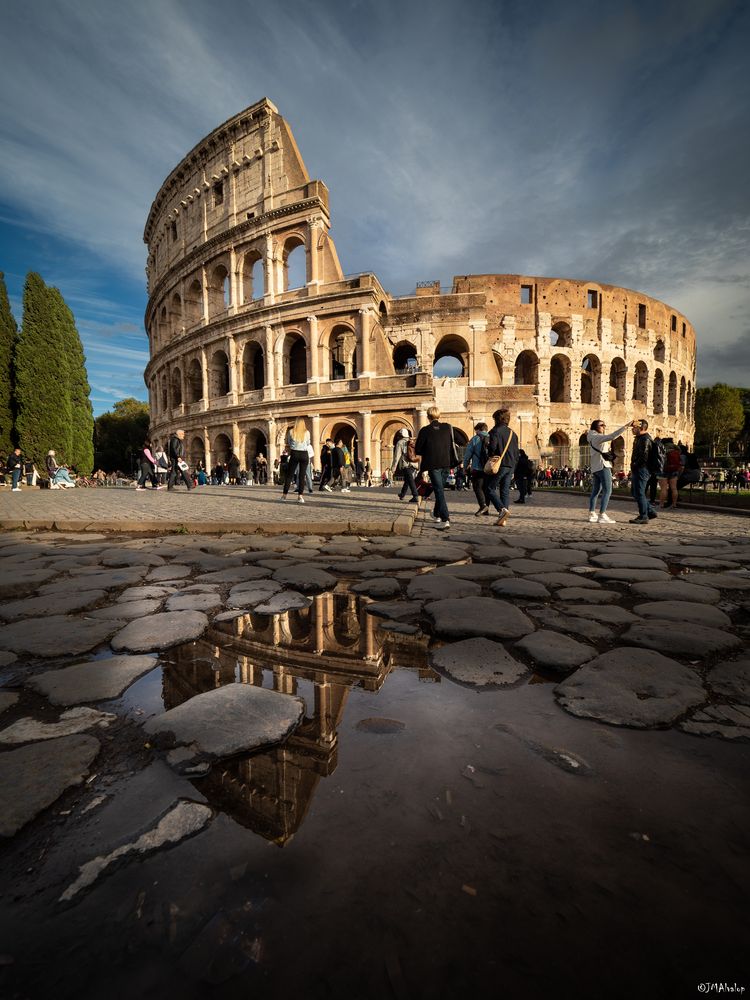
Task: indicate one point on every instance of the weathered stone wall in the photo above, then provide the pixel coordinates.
(239, 347)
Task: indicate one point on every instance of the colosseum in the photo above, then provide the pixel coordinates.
(251, 322)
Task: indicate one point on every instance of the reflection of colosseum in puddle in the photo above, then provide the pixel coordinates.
(319, 653)
(251, 322)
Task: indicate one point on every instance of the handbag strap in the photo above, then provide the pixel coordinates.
(507, 445)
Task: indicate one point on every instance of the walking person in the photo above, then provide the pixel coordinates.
(670, 475)
(297, 442)
(523, 475)
(502, 448)
(14, 466)
(147, 465)
(601, 469)
(475, 459)
(325, 466)
(640, 471)
(178, 467)
(403, 465)
(368, 473)
(435, 449)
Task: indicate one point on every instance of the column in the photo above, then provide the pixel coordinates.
(270, 275)
(319, 613)
(207, 443)
(364, 361)
(269, 360)
(236, 443)
(233, 297)
(204, 292)
(204, 373)
(271, 438)
(233, 380)
(420, 418)
(312, 323)
(315, 436)
(365, 435)
(314, 269)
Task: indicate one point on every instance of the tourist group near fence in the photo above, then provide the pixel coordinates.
(423, 467)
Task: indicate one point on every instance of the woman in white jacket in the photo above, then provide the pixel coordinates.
(601, 470)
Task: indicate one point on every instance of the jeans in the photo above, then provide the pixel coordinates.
(62, 476)
(437, 478)
(478, 479)
(638, 489)
(298, 459)
(15, 475)
(176, 474)
(601, 483)
(497, 488)
(408, 474)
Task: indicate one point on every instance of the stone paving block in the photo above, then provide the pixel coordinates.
(731, 678)
(93, 680)
(555, 651)
(673, 638)
(686, 612)
(160, 631)
(478, 662)
(478, 616)
(56, 635)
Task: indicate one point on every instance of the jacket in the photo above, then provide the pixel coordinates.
(596, 462)
(14, 462)
(641, 448)
(496, 445)
(400, 461)
(337, 459)
(473, 453)
(434, 446)
(175, 448)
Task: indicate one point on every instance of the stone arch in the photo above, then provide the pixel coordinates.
(660, 351)
(164, 392)
(561, 335)
(194, 386)
(526, 370)
(658, 391)
(618, 372)
(256, 443)
(405, 357)
(163, 326)
(348, 433)
(294, 263)
(218, 291)
(342, 352)
(294, 359)
(683, 389)
(389, 434)
(456, 349)
(253, 278)
(640, 383)
(218, 375)
(591, 380)
(672, 395)
(175, 315)
(197, 452)
(176, 381)
(253, 366)
(193, 303)
(559, 442)
(221, 450)
(584, 451)
(559, 379)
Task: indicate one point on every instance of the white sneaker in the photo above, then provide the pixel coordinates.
(16, 489)
(346, 491)
(606, 519)
(443, 525)
(438, 519)
(328, 489)
(593, 518)
(300, 499)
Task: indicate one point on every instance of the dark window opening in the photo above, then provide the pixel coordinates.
(641, 316)
(251, 215)
(526, 295)
(218, 193)
(674, 322)
(592, 298)
(173, 230)
(684, 330)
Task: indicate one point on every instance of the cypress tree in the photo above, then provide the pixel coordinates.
(42, 385)
(8, 335)
(81, 453)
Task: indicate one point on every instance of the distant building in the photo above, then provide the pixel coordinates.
(251, 322)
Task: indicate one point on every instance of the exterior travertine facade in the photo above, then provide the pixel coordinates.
(237, 353)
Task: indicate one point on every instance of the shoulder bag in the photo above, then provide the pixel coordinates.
(493, 463)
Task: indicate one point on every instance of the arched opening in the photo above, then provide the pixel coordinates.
(591, 380)
(618, 447)
(253, 367)
(640, 383)
(176, 387)
(388, 437)
(163, 326)
(526, 369)
(299, 623)
(559, 442)
(164, 393)
(660, 351)
(218, 375)
(689, 410)
(461, 440)
(193, 303)
(348, 435)
(218, 291)
(255, 445)
(659, 391)
(683, 389)
(194, 381)
(559, 379)
(294, 263)
(561, 335)
(175, 315)
(295, 360)
(672, 396)
(584, 452)
(252, 276)
(382, 310)
(451, 358)
(342, 347)
(405, 358)
(222, 449)
(197, 453)
(346, 627)
(617, 381)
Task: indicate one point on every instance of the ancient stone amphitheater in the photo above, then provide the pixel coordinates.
(251, 322)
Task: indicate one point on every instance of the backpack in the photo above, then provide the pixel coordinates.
(484, 451)
(411, 451)
(656, 457)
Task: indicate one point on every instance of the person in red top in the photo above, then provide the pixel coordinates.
(670, 475)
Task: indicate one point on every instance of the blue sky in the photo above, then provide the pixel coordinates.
(598, 141)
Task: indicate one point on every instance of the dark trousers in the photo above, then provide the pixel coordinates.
(147, 472)
(477, 481)
(409, 484)
(176, 474)
(325, 477)
(15, 475)
(437, 478)
(638, 489)
(524, 487)
(297, 460)
(497, 489)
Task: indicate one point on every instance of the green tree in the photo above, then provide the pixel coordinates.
(119, 434)
(8, 335)
(719, 416)
(81, 454)
(42, 389)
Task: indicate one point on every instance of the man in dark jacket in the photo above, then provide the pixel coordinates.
(524, 476)
(14, 466)
(640, 471)
(325, 466)
(435, 449)
(176, 452)
(502, 442)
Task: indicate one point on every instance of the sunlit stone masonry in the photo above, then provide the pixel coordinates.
(251, 322)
